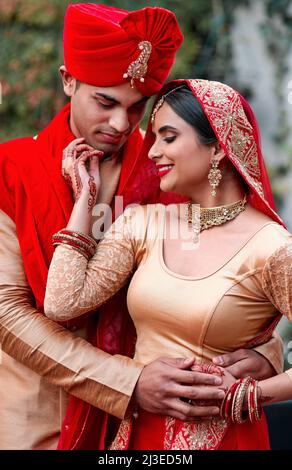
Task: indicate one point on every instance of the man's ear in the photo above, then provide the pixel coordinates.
(69, 82)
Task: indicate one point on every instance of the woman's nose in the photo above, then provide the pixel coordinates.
(154, 152)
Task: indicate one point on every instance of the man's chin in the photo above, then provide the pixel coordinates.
(107, 148)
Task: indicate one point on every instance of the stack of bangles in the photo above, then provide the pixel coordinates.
(243, 392)
(84, 244)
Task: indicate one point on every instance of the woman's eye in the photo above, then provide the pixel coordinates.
(170, 139)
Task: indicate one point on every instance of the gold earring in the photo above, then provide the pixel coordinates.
(214, 176)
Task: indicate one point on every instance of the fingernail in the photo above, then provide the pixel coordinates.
(218, 360)
(217, 381)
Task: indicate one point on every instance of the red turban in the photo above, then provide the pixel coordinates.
(105, 46)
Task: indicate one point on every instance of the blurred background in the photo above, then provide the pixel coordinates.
(246, 43)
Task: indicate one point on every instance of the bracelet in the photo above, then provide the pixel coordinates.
(227, 400)
(81, 236)
(80, 250)
(233, 403)
(257, 406)
(238, 401)
(80, 242)
(69, 239)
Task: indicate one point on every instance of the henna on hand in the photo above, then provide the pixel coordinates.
(263, 398)
(92, 193)
(78, 186)
(68, 179)
(70, 169)
(208, 369)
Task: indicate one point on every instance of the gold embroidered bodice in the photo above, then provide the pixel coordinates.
(176, 315)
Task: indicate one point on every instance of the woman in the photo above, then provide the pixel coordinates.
(185, 292)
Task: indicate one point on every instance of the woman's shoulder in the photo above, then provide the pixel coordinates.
(145, 213)
(261, 236)
(145, 219)
(267, 235)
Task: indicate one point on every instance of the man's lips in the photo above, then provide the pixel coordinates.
(111, 138)
(163, 169)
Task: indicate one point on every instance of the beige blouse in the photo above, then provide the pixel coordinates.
(176, 315)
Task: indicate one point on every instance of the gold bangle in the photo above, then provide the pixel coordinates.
(237, 415)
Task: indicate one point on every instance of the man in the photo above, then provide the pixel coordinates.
(114, 60)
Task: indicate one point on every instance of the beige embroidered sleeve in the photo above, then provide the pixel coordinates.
(273, 352)
(277, 279)
(76, 286)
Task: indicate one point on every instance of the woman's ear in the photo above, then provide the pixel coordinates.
(69, 82)
(219, 152)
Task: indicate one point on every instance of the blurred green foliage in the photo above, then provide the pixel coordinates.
(31, 53)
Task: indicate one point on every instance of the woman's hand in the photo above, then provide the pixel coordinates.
(226, 378)
(80, 168)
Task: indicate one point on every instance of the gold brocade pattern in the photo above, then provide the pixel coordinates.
(204, 435)
(224, 110)
(277, 277)
(121, 441)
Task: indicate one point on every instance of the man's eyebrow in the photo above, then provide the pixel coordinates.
(107, 97)
(115, 101)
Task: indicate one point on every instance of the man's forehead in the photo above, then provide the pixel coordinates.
(123, 94)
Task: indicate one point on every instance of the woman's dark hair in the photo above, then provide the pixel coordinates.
(185, 105)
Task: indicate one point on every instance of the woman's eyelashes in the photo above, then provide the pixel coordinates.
(168, 140)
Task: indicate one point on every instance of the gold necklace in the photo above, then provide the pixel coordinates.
(203, 218)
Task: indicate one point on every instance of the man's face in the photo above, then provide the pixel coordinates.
(106, 116)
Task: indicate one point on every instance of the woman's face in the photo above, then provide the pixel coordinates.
(182, 162)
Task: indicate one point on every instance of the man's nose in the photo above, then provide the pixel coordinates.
(120, 121)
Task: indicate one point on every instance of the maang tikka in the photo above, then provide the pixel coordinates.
(214, 176)
(161, 101)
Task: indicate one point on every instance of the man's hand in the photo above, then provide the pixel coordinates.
(168, 387)
(246, 362)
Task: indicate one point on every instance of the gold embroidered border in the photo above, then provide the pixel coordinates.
(204, 435)
(122, 439)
